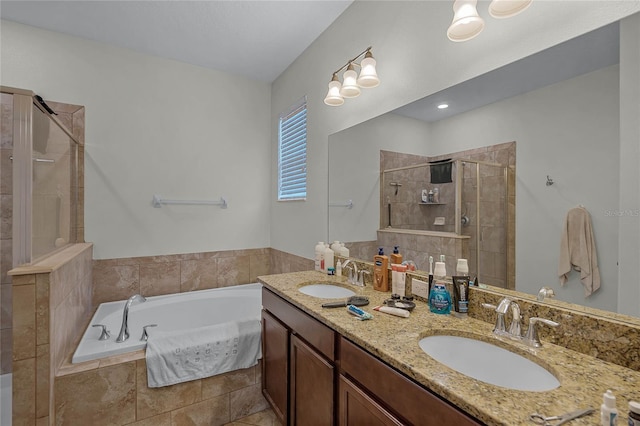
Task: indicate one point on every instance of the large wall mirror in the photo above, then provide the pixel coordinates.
(562, 108)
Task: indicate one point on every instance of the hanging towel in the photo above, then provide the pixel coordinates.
(181, 356)
(440, 171)
(578, 250)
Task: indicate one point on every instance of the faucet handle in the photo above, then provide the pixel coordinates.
(104, 335)
(361, 274)
(531, 338)
(145, 335)
(500, 327)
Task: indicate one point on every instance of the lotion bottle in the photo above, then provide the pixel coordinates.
(328, 259)
(319, 250)
(608, 411)
(396, 257)
(380, 271)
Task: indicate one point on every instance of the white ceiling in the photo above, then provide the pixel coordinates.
(256, 39)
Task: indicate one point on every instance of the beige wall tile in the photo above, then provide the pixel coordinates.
(42, 311)
(246, 401)
(6, 306)
(160, 278)
(42, 421)
(6, 355)
(24, 279)
(42, 381)
(228, 382)
(114, 282)
(154, 401)
(211, 412)
(161, 420)
(24, 321)
(6, 260)
(259, 264)
(198, 274)
(24, 391)
(233, 271)
(105, 396)
(6, 216)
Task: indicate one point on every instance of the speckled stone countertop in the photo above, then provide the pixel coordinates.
(583, 379)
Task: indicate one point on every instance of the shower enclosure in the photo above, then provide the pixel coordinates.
(471, 199)
(40, 188)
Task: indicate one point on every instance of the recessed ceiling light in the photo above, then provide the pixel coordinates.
(443, 106)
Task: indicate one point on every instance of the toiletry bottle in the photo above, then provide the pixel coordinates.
(436, 195)
(319, 255)
(380, 271)
(339, 268)
(634, 413)
(335, 246)
(439, 296)
(328, 258)
(430, 196)
(462, 268)
(608, 411)
(396, 257)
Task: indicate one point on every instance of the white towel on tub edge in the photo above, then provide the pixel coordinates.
(186, 355)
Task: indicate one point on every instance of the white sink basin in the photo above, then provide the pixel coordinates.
(489, 363)
(326, 291)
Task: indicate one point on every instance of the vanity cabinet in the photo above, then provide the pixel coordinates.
(298, 355)
(314, 376)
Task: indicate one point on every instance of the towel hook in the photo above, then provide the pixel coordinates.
(549, 181)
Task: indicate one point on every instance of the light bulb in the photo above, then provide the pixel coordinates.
(466, 23)
(350, 87)
(368, 75)
(507, 8)
(333, 97)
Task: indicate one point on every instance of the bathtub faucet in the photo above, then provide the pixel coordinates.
(124, 330)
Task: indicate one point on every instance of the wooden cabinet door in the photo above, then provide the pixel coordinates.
(275, 364)
(356, 408)
(311, 392)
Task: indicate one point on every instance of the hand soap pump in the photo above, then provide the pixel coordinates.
(396, 257)
(608, 411)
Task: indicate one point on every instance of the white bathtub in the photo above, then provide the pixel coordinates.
(171, 312)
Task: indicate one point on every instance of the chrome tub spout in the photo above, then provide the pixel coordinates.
(124, 329)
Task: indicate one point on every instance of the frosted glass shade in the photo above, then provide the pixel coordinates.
(507, 8)
(466, 22)
(333, 97)
(368, 76)
(350, 87)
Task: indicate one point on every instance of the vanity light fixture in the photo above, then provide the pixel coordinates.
(467, 23)
(351, 81)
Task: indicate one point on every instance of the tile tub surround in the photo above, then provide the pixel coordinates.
(114, 391)
(395, 340)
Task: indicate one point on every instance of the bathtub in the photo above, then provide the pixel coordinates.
(171, 312)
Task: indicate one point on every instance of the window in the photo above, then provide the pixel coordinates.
(292, 153)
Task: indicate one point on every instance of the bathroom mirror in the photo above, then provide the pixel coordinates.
(562, 108)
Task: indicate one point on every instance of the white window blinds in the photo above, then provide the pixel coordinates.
(292, 153)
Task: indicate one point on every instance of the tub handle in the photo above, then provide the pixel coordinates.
(104, 335)
(145, 335)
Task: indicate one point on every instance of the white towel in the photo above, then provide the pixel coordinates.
(181, 356)
(578, 250)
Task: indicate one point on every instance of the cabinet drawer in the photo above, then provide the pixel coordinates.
(405, 398)
(318, 335)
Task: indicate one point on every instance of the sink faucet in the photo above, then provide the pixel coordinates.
(361, 275)
(515, 328)
(545, 292)
(124, 329)
(531, 338)
(353, 271)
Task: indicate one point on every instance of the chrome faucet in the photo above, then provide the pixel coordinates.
(545, 292)
(353, 271)
(361, 275)
(500, 328)
(124, 329)
(531, 338)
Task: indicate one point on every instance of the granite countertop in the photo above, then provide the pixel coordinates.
(583, 379)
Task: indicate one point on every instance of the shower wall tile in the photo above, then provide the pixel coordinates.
(160, 278)
(24, 385)
(161, 420)
(6, 216)
(42, 310)
(24, 322)
(42, 381)
(6, 172)
(6, 340)
(6, 306)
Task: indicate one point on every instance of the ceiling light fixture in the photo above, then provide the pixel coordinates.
(352, 82)
(467, 24)
(443, 106)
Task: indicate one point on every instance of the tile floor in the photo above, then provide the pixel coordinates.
(262, 418)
